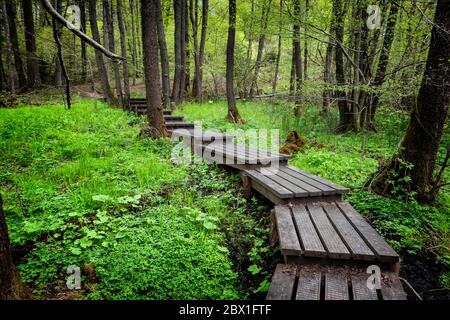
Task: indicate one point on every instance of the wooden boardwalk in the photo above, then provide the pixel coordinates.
(327, 245)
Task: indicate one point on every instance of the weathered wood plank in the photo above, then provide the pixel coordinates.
(338, 188)
(336, 286)
(383, 251)
(312, 190)
(352, 239)
(308, 287)
(298, 192)
(329, 236)
(312, 246)
(289, 243)
(282, 285)
(391, 288)
(279, 190)
(325, 190)
(360, 290)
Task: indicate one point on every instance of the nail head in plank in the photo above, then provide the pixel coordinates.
(353, 240)
(282, 284)
(329, 236)
(289, 243)
(336, 286)
(308, 287)
(310, 240)
(383, 251)
(360, 289)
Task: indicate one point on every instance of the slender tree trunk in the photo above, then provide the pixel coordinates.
(368, 120)
(305, 59)
(201, 59)
(327, 78)
(3, 81)
(277, 63)
(261, 43)
(57, 28)
(34, 79)
(151, 69)
(345, 114)
(176, 87)
(183, 50)
(233, 113)
(12, 23)
(164, 57)
(292, 76)
(133, 37)
(298, 60)
(420, 143)
(103, 73)
(9, 60)
(139, 52)
(82, 5)
(187, 68)
(123, 47)
(193, 14)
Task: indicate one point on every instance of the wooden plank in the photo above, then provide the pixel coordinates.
(391, 288)
(336, 286)
(227, 158)
(383, 251)
(289, 243)
(329, 236)
(312, 190)
(338, 188)
(310, 241)
(360, 290)
(352, 239)
(308, 287)
(298, 192)
(279, 190)
(325, 190)
(282, 285)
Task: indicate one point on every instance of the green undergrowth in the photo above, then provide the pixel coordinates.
(81, 188)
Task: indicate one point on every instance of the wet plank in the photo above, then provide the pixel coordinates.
(312, 246)
(336, 286)
(287, 235)
(329, 236)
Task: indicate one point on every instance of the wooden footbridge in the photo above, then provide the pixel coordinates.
(326, 244)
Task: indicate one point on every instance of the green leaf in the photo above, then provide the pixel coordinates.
(85, 242)
(76, 251)
(254, 269)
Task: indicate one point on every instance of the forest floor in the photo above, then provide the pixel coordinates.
(82, 188)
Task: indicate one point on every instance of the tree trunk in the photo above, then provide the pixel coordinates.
(11, 287)
(151, 69)
(292, 77)
(165, 69)
(305, 59)
(103, 73)
(367, 119)
(327, 77)
(187, 68)
(183, 50)
(420, 143)
(3, 81)
(9, 60)
(193, 14)
(123, 47)
(12, 23)
(277, 63)
(82, 5)
(261, 43)
(297, 59)
(133, 37)
(112, 46)
(233, 113)
(58, 30)
(34, 79)
(176, 87)
(345, 114)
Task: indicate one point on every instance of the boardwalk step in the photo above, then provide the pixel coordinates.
(202, 136)
(332, 231)
(314, 282)
(178, 124)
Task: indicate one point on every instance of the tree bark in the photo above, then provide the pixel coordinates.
(305, 59)
(233, 113)
(367, 119)
(123, 47)
(9, 60)
(261, 42)
(107, 92)
(277, 63)
(82, 5)
(34, 79)
(133, 37)
(12, 23)
(297, 59)
(164, 57)
(193, 14)
(57, 28)
(420, 143)
(151, 69)
(176, 87)
(345, 114)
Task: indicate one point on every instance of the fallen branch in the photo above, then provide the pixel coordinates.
(97, 46)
